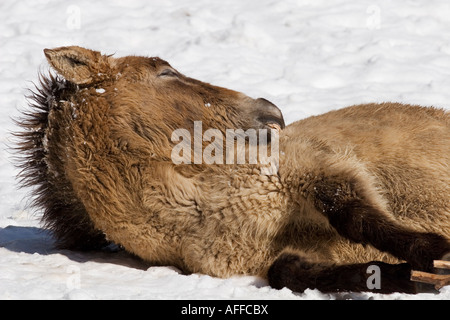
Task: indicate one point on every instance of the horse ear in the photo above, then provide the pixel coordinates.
(79, 65)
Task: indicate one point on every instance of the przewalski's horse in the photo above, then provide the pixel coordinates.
(365, 186)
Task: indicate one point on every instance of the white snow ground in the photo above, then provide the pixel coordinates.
(306, 56)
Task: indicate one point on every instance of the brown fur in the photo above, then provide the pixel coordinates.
(361, 184)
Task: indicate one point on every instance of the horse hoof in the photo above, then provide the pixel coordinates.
(446, 270)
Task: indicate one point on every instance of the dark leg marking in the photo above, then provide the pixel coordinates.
(355, 218)
(298, 274)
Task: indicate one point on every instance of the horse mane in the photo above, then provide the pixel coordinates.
(51, 192)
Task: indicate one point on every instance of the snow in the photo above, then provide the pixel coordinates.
(305, 56)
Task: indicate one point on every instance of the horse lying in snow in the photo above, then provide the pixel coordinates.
(363, 186)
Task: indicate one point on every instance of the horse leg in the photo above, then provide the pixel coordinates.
(354, 216)
(298, 272)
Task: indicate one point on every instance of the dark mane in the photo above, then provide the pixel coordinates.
(63, 214)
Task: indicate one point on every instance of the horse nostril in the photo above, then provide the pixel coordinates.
(269, 114)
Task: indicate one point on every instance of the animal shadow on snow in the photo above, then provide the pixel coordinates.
(33, 240)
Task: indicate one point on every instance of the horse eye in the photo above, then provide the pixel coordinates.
(168, 73)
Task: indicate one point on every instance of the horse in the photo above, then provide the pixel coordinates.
(360, 188)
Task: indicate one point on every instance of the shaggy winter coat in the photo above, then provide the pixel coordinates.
(361, 186)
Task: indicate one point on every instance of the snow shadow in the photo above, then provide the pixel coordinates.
(34, 240)
(26, 239)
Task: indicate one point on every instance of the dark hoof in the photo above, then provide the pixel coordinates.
(420, 287)
(445, 257)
